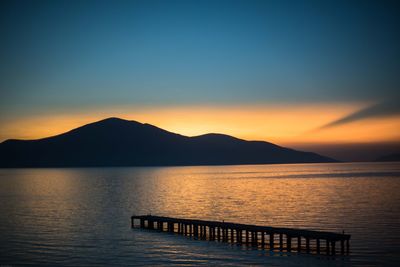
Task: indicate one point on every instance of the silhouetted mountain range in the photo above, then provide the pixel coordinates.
(117, 142)
(391, 157)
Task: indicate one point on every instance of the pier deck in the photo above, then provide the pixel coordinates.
(272, 238)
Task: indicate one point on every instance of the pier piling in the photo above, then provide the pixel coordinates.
(233, 233)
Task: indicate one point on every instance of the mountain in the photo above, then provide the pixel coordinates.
(391, 157)
(117, 142)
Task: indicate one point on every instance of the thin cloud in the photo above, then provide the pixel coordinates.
(383, 109)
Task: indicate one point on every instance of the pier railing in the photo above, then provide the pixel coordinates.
(272, 238)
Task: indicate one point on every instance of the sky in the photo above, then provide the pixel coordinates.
(320, 75)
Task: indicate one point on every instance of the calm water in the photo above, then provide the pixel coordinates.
(81, 216)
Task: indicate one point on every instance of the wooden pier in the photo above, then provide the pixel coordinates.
(265, 237)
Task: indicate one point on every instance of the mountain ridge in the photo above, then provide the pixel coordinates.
(118, 142)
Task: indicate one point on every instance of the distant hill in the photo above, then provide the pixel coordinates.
(391, 157)
(117, 142)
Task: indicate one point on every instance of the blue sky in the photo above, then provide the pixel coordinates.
(73, 53)
(281, 68)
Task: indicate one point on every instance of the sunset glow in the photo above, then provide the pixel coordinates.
(282, 124)
(208, 132)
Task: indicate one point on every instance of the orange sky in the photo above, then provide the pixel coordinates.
(281, 124)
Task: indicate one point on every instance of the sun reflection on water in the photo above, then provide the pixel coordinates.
(85, 211)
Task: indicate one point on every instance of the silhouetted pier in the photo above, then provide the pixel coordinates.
(272, 238)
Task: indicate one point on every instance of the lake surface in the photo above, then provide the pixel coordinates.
(81, 216)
